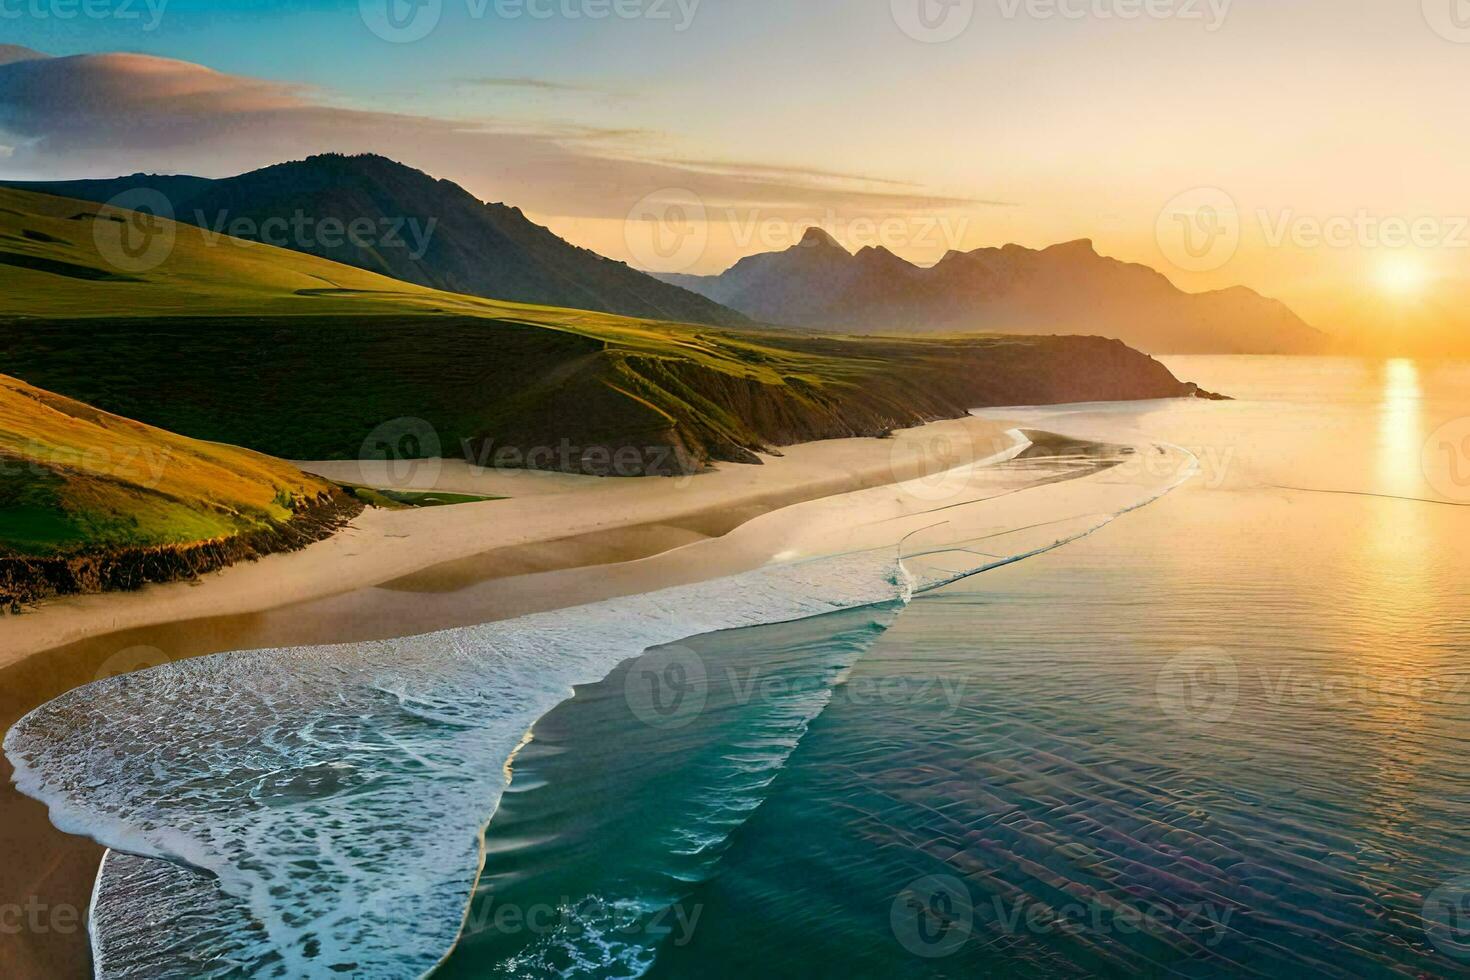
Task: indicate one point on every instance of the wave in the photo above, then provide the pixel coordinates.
(319, 811)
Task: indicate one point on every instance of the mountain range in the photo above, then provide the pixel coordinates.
(411, 227)
(299, 357)
(1065, 289)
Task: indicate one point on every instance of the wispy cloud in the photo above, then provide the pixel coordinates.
(524, 83)
(102, 115)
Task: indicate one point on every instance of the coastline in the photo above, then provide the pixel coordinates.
(557, 521)
(555, 526)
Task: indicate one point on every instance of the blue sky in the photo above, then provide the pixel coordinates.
(1040, 121)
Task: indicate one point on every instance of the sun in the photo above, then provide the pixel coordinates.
(1401, 275)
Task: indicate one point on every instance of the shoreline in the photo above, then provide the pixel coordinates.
(575, 515)
(861, 525)
(555, 540)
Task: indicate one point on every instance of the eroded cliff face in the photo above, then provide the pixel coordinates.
(645, 399)
(635, 415)
(25, 580)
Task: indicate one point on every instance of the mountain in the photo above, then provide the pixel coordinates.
(1067, 288)
(375, 214)
(91, 501)
(303, 358)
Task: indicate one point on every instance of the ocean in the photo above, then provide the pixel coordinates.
(1226, 735)
(1221, 731)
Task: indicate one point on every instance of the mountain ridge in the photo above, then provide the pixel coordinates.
(1066, 288)
(417, 228)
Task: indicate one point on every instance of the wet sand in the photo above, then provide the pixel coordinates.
(560, 541)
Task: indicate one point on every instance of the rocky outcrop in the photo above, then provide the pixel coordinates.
(27, 580)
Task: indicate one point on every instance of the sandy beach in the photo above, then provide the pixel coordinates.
(556, 541)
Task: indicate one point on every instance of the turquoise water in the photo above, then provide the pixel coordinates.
(1226, 735)
(1211, 732)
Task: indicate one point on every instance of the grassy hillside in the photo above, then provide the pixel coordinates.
(425, 231)
(89, 500)
(302, 358)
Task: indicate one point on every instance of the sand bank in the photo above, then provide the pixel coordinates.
(402, 572)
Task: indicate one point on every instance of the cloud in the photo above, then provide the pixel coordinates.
(108, 114)
(527, 84)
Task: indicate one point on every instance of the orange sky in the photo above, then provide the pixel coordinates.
(1312, 150)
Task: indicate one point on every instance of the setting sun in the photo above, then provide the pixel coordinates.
(1401, 275)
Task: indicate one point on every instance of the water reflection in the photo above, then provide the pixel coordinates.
(1401, 429)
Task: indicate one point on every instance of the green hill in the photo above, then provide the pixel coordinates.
(90, 501)
(303, 358)
(416, 229)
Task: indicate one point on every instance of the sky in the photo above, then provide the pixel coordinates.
(1312, 150)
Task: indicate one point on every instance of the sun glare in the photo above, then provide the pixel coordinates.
(1401, 275)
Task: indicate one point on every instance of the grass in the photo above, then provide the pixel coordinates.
(303, 358)
(403, 499)
(75, 480)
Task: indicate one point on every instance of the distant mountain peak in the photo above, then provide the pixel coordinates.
(1067, 288)
(424, 230)
(1080, 246)
(818, 238)
(10, 53)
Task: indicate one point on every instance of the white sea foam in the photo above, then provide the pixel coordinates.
(334, 797)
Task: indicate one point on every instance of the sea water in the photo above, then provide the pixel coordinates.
(1225, 734)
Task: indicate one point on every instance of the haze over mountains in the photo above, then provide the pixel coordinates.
(1065, 289)
(434, 233)
(413, 227)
